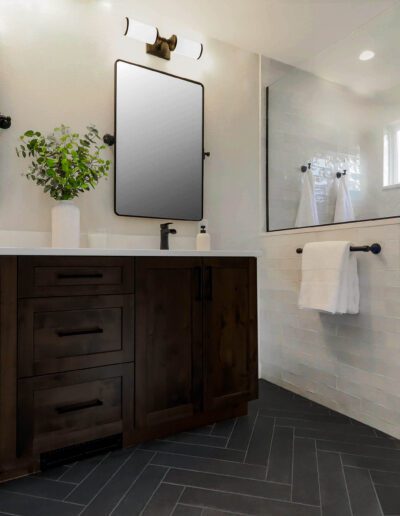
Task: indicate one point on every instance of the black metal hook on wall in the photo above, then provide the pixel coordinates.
(109, 139)
(340, 174)
(304, 168)
(5, 122)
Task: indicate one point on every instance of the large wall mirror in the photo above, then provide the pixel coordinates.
(159, 144)
(333, 132)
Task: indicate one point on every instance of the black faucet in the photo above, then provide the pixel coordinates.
(164, 233)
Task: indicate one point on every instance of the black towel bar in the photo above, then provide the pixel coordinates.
(373, 248)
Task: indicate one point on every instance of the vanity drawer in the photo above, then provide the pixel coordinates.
(55, 411)
(64, 334)
(45, 276)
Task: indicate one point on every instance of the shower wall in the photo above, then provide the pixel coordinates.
(314, 120)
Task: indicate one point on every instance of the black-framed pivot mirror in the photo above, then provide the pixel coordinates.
(159, 129)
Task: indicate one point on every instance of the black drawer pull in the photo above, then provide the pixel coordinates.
(77, 275)
(79, 406)
(71, 333)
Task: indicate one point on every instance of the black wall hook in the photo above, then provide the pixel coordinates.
(304, 168)
(109, 139)
(5, 122)
(340, 174)
(206, 155)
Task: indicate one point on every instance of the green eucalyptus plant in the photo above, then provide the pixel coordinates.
(64, 163)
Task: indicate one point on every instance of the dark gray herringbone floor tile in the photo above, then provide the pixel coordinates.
(187, 510)
(245, 504)
(141, 492)
(363, 499)
(389, 499)
(229, 484)
(106, 499)
(289, 456)
(334, 494)
(221, 467)
(260, 441)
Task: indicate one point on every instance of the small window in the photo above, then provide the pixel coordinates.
(391, 156)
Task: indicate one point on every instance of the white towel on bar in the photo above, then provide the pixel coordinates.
(329, 280)
(344, 207)
(307, 214)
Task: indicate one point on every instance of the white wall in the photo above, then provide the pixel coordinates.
(314, 120)
(350, 363)
(56, 62)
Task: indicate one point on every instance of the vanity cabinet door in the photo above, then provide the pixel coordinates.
(169, 336)
(230, 344)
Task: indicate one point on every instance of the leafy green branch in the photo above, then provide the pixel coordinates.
(64, 164)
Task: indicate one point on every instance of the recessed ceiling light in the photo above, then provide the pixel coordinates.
(366, 55)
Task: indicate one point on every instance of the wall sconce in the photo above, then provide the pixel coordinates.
(159, 46)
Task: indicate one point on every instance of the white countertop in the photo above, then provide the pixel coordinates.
(85, 251)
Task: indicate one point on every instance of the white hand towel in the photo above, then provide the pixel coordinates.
(344, 207)
(307, 214)
(329, 280)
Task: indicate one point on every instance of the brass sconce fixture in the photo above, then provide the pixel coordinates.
(159, 46)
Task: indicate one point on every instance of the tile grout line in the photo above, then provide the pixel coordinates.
(88, 475)
(200, 456)
(270, 450)
(226, 474)
(166, 440)
(258, 497)
(177, 501)
(319, 481)
(376, 493)
(251, 436)
(133, 483)
(345, 483)
(292, 484)
(231, 433)
(58, 500)
(108, 481)
(153, 493)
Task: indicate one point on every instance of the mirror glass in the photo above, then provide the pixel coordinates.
(337, 117)
(159, 144)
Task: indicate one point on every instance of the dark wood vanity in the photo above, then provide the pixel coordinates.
(143, 346)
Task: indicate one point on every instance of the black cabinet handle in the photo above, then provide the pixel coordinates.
(79, 406)
(209, 280)
(71, 333)
(77, 275)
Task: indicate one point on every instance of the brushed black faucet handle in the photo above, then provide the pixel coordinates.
(165, 232)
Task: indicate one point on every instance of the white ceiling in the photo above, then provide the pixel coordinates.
(287, 30)
(379, 76)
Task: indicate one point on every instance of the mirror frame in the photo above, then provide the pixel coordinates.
(116, 141)
(268, 230)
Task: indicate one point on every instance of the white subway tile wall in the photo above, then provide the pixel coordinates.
(350, 363)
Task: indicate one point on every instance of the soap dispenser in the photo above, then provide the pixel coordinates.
(203, 240)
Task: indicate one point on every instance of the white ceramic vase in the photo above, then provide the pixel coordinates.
(65, 225)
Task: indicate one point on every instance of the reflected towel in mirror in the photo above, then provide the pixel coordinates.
(307, 214)
(344, 207)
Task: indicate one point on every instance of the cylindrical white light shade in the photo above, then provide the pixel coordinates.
(189, 48)
(141, 31)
